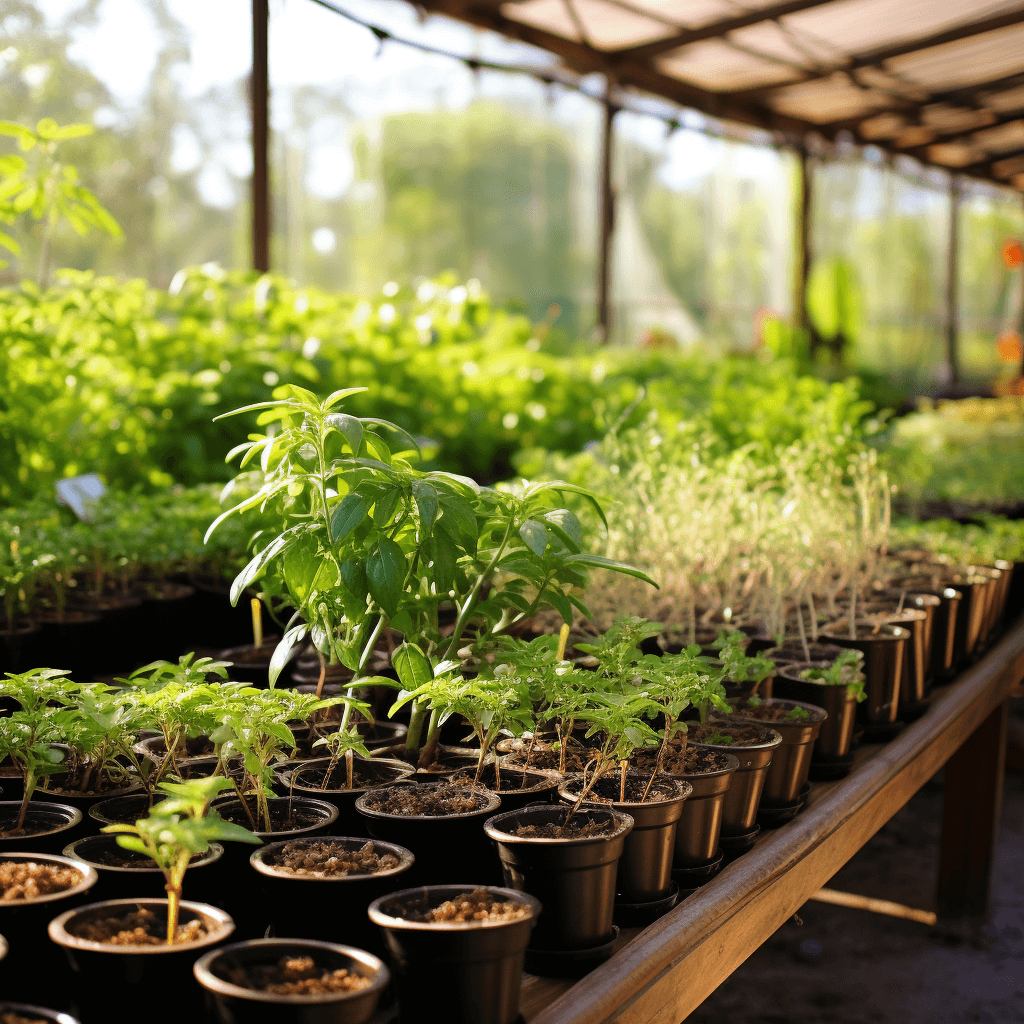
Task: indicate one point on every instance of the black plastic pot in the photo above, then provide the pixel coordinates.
(117, 810)
(787, 774)
(942, 645)
(137, 875)
(834, 746)
(447, 847)
(481, 962)
(293, 904)
(1015, 592)
(970, 615)
(375, 735)
(70, 641)
(645, 867)
(37, 1013)
(449, 761)
(83, 801)
(517, 786)
(701, 821)
(168, 610)
(306, 779)
(574, 879)
(154, 748)
(793, 650)
(228, 1003)
(26, 921)
(19, 648)
(883, 648)
(739, 808)
(252, 666)
(215, 622)
(49, 825)
(915, 652)
(111, 982)
(120, 639)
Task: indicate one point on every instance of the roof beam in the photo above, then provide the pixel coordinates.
(964, 135)
(878, 56)
(986, 168)
(715, 30)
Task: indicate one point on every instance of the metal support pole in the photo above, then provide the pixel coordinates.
(952, 273)
(259, 97)
(607, 218)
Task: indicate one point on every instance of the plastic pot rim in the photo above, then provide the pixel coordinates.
(85, 883)
(406, 860)
(384, 920)
(210, 981)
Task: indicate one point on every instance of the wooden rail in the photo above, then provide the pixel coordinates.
(661, 974)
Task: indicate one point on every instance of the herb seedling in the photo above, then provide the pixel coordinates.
(177, 829)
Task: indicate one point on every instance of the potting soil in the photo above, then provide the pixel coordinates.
(26, 880)
(296, 976)
(323, 859)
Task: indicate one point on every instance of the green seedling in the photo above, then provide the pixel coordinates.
(844, 671)
(177, 829)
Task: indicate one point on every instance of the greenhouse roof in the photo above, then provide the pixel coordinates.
(938, 80)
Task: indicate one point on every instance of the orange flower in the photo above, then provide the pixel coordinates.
(1013, 253)
(1011, 348)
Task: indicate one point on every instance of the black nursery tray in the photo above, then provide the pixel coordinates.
(666, 970)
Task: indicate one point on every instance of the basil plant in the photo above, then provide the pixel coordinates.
(365, 541)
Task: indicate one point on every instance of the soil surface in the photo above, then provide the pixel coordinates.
(513, 779)
(435, 799)
(138, 928)
(114, 856)
(845, 966)
(26, 880)
(282, 818)
(573, 829)
(728, 735)
(770, 713)
(319, 778)
(795, 652)
(99, 784)
(478, 905)
(323, 859)
(296, 976)
(16, 1018)
(639, 789)
(688, 761)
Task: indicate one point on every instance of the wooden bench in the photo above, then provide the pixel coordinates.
(658, 975)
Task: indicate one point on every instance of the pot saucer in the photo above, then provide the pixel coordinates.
(631, 915)
(772, 816)
(735, 846)
(569, 963)
(690, 878)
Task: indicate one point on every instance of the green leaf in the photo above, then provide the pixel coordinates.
(426, 504)
(412, 665)
(349, 427)
(347, 515)
(559, 602)
(459, 519)
(284, 649)
(256, 566)
(385, 574)
(353, 576)
(535, 536)
(384, 507)
(567, 527)
(444, 553)
(377, 447)
(336, 396)
(600, 562)
(562, 486)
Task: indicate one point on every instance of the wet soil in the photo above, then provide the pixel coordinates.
(434, 799)
(27, 880)
(322, 859)
(138, 928)
(845, 966)
(296, 976)
(513, 779)
(118, 857)
(769, 713)
(320, 778)
(72, 783)
(196, 746)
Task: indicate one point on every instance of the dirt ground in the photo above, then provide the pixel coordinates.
(843, 966)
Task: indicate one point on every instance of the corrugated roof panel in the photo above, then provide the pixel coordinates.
(716, 66)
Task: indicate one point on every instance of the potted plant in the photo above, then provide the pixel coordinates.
(783, 794)
(753, 746)
(292, 981)
(30, 746)
(119, 949)
(298, 877)
(34, 886)
(741, 674)
(474, 937)
(883, 647)
(836, 686)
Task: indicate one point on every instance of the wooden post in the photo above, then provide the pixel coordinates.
(952, 272)
(259, 98)
(970, 820)
(607, 218)
(803, 240)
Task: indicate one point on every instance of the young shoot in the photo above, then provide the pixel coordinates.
(846, 670)
(177, 829)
